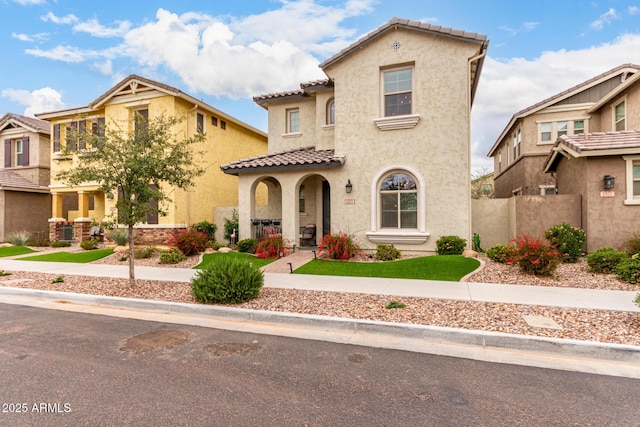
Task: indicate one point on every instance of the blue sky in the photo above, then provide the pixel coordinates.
(62, 54)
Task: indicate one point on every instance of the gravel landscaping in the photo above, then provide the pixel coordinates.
(580, 324)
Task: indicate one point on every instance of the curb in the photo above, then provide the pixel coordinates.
(474, 344)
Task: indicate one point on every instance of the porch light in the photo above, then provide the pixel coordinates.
(609, 182)
(349, 186)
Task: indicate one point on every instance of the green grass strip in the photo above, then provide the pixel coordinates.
(80, 257)
(441, 267)
(15, 250)
(213, 258)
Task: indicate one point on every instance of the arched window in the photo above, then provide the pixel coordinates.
(398, 201)
(331, 112)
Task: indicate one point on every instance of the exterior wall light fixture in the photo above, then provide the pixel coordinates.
(609, 182)
(349, 186)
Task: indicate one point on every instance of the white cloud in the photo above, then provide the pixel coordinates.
(31, 38)
(606, 18)
(633, 10)
(50, 17)
(37, 101)
(28, 2)
(508, 86)
(93, 27)
(526, 26)
(105, 68)
(64, 53)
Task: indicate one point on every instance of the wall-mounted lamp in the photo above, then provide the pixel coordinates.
(349, 186)
(609, 182)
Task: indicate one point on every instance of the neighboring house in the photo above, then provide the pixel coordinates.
(521, 149)
(379, 150)
(73, 209)
(24, 196)
(604, 167)
(482, 187)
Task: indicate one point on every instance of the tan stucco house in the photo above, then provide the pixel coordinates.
(604, 167)
(520, 151)
(24, 175)
(380, 149)
(74, 209)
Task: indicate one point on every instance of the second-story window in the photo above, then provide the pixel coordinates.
(199, 123)
(578, 127)
(293, 120)
(398, 86)
(331, 112)
(620, 112)
(19, 152)
(545, 132)
(140, 123)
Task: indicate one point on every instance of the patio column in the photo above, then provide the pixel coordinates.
(290, 220)
(83, 205)
(56, 206)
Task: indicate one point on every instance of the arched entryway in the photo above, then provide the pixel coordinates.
(314, 208)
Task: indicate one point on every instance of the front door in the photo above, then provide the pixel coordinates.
(326, 208)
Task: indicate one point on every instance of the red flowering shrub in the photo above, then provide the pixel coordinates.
(272, 247)
(190, 241)
(338, 246)
(535, 257)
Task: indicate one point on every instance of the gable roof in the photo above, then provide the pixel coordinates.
(592, 145)
(135, 84)
(10, 180)
(614, 93)
(304, 91)
(299, 158)
(580, 87)
(29, 123)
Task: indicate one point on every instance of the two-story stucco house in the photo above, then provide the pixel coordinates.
(225, 138)
(520, 151)
(379, 149)
(604, 167)
(24, 176)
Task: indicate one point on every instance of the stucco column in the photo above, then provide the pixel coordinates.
(245, 207)
(290, 230)
(83, 205)
(56, 206)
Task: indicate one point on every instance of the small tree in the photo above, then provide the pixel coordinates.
(140, 166)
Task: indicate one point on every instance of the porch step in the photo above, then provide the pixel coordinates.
(296, 259)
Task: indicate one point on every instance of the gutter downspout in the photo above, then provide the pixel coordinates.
(195, 107)
(483, 50)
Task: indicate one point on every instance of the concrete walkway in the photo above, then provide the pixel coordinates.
(593, 357)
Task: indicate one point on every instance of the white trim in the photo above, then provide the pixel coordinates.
(623, 100)
(291, 135)
(408, 236)
(546, 187)
(137, 104)
(630, 199)
(408, 121)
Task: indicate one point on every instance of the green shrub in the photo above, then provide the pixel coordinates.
(190, 241)
(4, 273)
(501, 253)
(338, 246)
(171, 256)
(632, 246)
(395, 304)
(59, 279)
(272, 247)
(119, 235)
(144, 253)
(60, 244)
(207, 228)
(567, 240)
(215, 245)
(89, 245)
(536, 257)
(229, 281)
(476, 243)
(386, 252)
(629, 269)
(231, 225)
(248, 246)
(19, 238)
(39, 239)
(450, 245)
(605, 260)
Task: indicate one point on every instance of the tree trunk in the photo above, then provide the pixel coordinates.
(132, 275)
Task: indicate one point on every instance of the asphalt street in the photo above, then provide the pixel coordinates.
(65, 368)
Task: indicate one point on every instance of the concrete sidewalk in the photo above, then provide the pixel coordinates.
(463, 291)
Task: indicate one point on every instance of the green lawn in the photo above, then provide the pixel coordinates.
(15, 250)
(81, 257)
(441, 267)
(212, 258)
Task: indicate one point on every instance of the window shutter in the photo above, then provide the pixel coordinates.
(82, 135)
(7, 153)
(72, 134)
(56, 138)
(25, 151)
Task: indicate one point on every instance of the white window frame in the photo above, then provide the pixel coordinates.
(384, 92)
(570, 129)
(564, 131)
(615, 121)
(583, 129)
(293, 126)
(19, 152)
(550, 132)
(402, 121)
(408, 236)
(630, 198)
(331, 112)
(544, 188)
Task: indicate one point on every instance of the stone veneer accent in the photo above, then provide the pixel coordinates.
(150, 236)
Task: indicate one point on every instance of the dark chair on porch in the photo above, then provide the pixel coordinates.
(308, 235)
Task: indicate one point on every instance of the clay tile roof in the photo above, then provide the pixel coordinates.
(300, 158)
(31, 123)
(598, 141)
(260, 99)
(11, 179)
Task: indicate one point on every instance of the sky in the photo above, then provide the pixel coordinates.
(63, 54)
